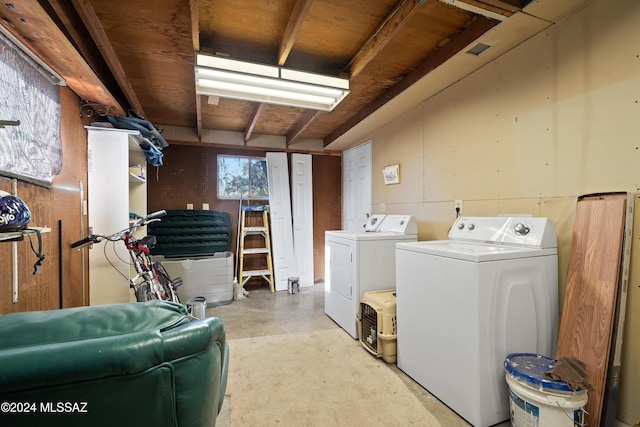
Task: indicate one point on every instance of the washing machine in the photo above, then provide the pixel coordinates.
(465, 303)
(357, 262)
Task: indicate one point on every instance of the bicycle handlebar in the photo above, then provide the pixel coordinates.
(154, 216)
(88, 239)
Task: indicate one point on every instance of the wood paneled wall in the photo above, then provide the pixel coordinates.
(60, 283)
(189, 176)
(327, 205)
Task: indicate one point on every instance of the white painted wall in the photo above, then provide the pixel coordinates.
(555, 118)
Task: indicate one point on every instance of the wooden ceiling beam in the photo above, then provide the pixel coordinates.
(253, 148)
(307, 117)
(199, 116)
(66, 13)
(494, 6)
(80, 37)
(477, 28)
(512, 6)
(92, 22)
(400, 15)
(195, 25)
(294, 25)
(31, 24)
(195, 38)
(252, 123)
(298, 15)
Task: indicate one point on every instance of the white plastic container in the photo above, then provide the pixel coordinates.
(209, 277)
(536, 401)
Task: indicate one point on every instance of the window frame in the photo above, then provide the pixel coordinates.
(244, 195)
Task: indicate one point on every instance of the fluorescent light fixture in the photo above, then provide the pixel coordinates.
(228, 78)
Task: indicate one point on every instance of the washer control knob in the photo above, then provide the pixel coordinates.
(521, 229)
(460, 226)
(471, 226)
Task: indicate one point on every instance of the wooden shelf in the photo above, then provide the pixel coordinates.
(133, 178)
(16, 236)
(19, 235)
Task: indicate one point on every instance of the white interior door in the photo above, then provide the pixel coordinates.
(302, 202)
(284, 264)
(356, 187)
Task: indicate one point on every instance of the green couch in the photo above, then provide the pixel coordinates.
(135, 364)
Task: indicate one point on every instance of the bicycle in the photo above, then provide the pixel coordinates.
(151, 282)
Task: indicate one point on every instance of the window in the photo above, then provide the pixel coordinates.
(30, 144)
(244, 177)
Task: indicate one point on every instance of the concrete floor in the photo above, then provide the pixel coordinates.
(264, 313)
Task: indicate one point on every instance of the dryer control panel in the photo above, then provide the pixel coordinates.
(511, 230)
(374, 222)
(403, 224)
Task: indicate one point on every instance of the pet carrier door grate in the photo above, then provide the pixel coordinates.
(369, 327)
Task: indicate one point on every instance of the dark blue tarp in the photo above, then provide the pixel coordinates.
(153, 142)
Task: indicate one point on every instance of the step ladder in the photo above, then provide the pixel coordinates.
(255, 222)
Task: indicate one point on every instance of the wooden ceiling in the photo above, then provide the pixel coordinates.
(139, 54)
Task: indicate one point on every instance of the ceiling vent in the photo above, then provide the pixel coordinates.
(478, 49)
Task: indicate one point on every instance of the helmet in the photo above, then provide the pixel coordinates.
(14, 213)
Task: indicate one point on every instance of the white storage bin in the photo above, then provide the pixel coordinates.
(210, 277)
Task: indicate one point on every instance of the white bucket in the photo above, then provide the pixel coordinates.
(196, 307)
(536, 401)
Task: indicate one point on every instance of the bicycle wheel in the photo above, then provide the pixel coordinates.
(142, 293)
(166, 282)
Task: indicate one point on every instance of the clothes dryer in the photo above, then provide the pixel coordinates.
(357, 262)
(465, 303)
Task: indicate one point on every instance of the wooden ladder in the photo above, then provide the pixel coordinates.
(249, 226)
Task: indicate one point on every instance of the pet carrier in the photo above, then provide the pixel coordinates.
(377, 324)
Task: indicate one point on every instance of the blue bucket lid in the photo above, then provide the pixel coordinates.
(531, 368)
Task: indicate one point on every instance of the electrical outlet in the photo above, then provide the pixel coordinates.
(205, 206)
(189, 206)
(458, 204)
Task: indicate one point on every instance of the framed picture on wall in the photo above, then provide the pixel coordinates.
(391, 174)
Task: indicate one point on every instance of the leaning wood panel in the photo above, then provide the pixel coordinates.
(612, 389)
(592, 286)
